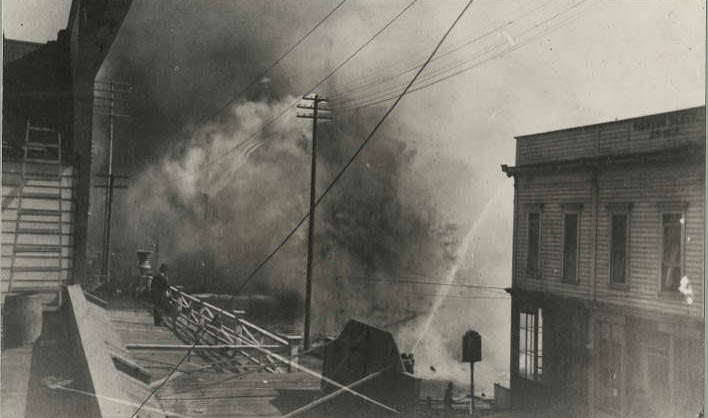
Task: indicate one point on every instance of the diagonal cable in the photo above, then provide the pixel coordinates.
(292, 105)
(270, 67)
(329, 187)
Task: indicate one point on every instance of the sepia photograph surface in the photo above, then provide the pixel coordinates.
(353, 208)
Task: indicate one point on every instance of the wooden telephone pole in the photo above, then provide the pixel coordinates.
(113, 106)
(316, 114)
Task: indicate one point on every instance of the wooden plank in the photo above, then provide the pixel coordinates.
(91, 339)
(147, 346)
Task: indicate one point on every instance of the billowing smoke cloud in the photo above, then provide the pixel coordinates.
(215, 199)
(217, 202)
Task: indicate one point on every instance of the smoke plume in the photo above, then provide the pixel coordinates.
(216, 199)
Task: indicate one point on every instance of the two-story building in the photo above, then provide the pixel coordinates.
(607, 271)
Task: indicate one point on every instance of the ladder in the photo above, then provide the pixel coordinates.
(39, 216)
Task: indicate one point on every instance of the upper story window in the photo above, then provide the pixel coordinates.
(533, 255)
(672, 250)
(619, 243)
(571, 245)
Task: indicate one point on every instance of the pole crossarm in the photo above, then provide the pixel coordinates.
(113, 114)
(320, 109)
(311, 116)
(315, 98)
(106, 186)
(117, 176)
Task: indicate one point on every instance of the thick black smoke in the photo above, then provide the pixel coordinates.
(217, 203)
(179, 56)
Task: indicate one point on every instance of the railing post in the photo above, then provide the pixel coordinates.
(293, 349)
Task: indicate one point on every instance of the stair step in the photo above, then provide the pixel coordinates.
(40, 186)
(40, 145)
(39, 212)
(37, 231)
(35, 289)
(42, 129)
(38, 174)
(41, 176)
(29, 269)
(51, 256)
(37, 248)
(42, 161)
(52, 196)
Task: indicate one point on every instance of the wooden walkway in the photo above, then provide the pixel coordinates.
(27, 369)
(199, 391)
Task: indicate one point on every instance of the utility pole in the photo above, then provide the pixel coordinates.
(316, 116)
(112, 106)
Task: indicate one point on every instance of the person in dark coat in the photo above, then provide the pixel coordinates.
(158, 293)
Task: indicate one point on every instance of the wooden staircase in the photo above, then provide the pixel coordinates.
(37, 217)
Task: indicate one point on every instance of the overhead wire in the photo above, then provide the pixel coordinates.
(273, 120)
(460, 63)
(374, 78)
(471, 286)
(260, 76)
(354, 155)
(292, 232)
(380, 97)
(332, 183)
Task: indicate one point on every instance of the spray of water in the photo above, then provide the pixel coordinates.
(444, 289)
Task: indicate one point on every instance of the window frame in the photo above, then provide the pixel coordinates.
(539, 265)
(617, 209)
(671, 209)
(571, 209)
(532, 375)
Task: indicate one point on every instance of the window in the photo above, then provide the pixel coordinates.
(531, 345)
(619, 235)
(672, 251)
(608, 373)
(533, 256)
(571, 229)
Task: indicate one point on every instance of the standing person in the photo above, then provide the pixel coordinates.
(158, 293)
(447, 400)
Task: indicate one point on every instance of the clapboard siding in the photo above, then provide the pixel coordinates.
(647, 189)
(646, 134)
(554, 192)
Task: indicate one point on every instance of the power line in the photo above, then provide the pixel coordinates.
(372, 81)
(380, 98)
(466, 297)
(471, 286)
(386, 96)
(295, 102)
(345, 105)
(259, 77)
(291, 233)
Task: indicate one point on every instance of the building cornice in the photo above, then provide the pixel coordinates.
(694, 152)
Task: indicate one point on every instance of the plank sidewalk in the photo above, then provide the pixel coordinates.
(195, 391)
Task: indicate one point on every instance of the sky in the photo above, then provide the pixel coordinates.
(34, 20)
(539, 65)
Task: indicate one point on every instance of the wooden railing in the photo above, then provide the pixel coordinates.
(231, 335)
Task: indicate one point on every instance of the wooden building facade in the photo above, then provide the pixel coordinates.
(48, 109)
(607, 275)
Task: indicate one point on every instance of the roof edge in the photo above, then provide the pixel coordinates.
(22, 41)
(596, 124)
